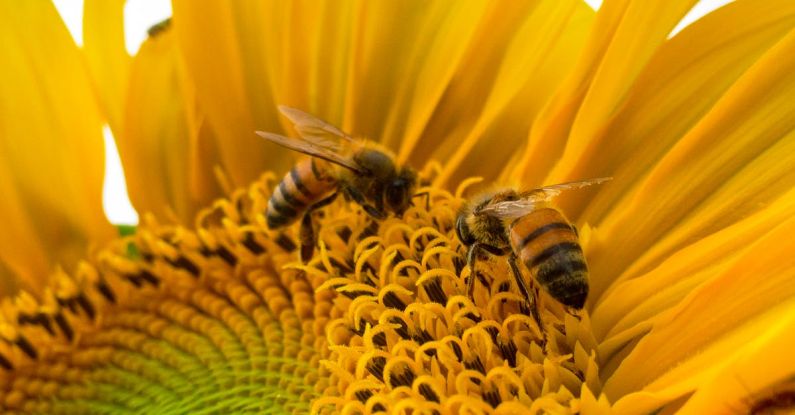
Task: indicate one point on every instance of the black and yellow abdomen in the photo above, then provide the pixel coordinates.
(548, 246)
(305, 184)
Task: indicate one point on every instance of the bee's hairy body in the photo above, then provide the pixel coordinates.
(308, 182)
(362, 170)
(543, 240)
(486, 230)
(313, 179)
(382, 170)
(548, 246)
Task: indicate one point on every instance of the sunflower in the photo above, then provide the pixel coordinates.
(204, 309)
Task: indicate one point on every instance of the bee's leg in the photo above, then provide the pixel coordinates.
(379, 200)
(427, 199)
(472, 257)
(576, 232)
(373, 212)
(306, 235)
(307, 231)
(359, 198)
(532, 300)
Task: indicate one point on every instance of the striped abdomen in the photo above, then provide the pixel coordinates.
(547, 244)
(305, 184)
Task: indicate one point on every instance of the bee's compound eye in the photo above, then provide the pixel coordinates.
(462, 230)
(397, 196)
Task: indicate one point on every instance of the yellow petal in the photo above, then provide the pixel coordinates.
(51, 142)
(717, 319)
(679, 85)
(164, 146)
(460, 105)
(21, 249)
(724, 377)
(761, 364)
(357, 78)
(503, 100)
(221, 45)
(450, 30)
(671, 281)
(732, 163)
(307, 53)
(103, 39)
(393, 40)
(624, 37)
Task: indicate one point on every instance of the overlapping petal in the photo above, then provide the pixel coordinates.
(166, 146)
(743, 305)
(624, 37)
(686, 169)
(702, 61)
(747, 133)
(346, 62)
(108, 61)
(52, 153)
(502, 100)
(724, 175)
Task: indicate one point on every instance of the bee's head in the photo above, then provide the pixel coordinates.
(399, 190)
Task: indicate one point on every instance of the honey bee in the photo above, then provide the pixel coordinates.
(522, 225)
(363, 171)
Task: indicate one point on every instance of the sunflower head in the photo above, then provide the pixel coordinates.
(205, 309)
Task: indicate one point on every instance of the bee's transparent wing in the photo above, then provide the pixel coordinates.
(508, 209)
(310, 127)
(315, 147)
(547, 193)
(532, 199)
(318, 138)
